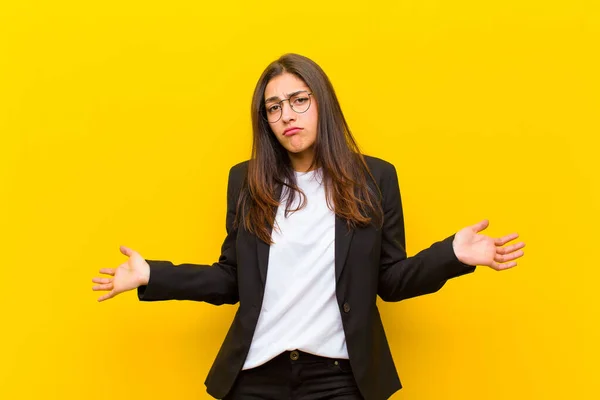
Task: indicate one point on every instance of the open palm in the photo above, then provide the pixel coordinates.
(130, 275)
(473, 248)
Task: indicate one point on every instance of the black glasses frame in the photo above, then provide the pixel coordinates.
(264, 114)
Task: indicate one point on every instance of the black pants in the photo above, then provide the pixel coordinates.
(295, 375)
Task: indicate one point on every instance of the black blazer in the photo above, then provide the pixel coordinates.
(368, 262)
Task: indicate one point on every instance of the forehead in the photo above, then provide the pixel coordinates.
(282, 85)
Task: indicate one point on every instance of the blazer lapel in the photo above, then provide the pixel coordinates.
(262, 247)
(343, 237)
(263, 258)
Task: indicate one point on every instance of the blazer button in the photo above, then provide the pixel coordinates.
(294, 355)
(346, 307)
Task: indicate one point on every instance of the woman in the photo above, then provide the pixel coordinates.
(315, 232)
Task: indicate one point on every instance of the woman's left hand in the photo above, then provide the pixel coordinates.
(473, 248)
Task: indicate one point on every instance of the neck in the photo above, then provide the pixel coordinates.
(301, 162)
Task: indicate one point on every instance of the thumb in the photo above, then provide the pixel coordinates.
(478, 227)
(126, 251)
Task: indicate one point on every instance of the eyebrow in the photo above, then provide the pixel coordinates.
(275, 98)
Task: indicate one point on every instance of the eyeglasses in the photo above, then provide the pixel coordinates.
(299, 102)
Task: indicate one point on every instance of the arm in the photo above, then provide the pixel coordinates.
(216, 283)
(426, 272)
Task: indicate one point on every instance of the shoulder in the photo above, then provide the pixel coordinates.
(237, 175)
(239, 169)
(381, 170)
(385, 177)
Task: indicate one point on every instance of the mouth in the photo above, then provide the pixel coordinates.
(291, 131)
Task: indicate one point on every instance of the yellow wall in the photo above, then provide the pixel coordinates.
(119, 122)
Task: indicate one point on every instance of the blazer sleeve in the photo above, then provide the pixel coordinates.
(426, 272)
(217, 283)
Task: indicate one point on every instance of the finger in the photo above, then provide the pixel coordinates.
(510, 249)
(107, 296)
(126, 251)
(108, 271)
(106, 286)
(478, 227)
(505, 239)
(509, 257)
(502, 267)
(101, 280)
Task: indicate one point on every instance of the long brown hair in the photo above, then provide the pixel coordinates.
(344, 170)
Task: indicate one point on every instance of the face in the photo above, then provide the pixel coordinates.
(296, 131)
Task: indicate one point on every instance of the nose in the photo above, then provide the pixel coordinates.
(287, 114)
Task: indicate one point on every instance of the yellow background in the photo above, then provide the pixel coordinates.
(119, 122)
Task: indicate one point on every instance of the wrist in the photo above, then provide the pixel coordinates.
(145, 274)
(458, 252)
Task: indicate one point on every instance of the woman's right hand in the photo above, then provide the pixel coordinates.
(130, 275)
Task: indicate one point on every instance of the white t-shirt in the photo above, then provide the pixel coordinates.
(300, 309)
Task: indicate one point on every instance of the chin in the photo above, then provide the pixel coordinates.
(296, 150)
